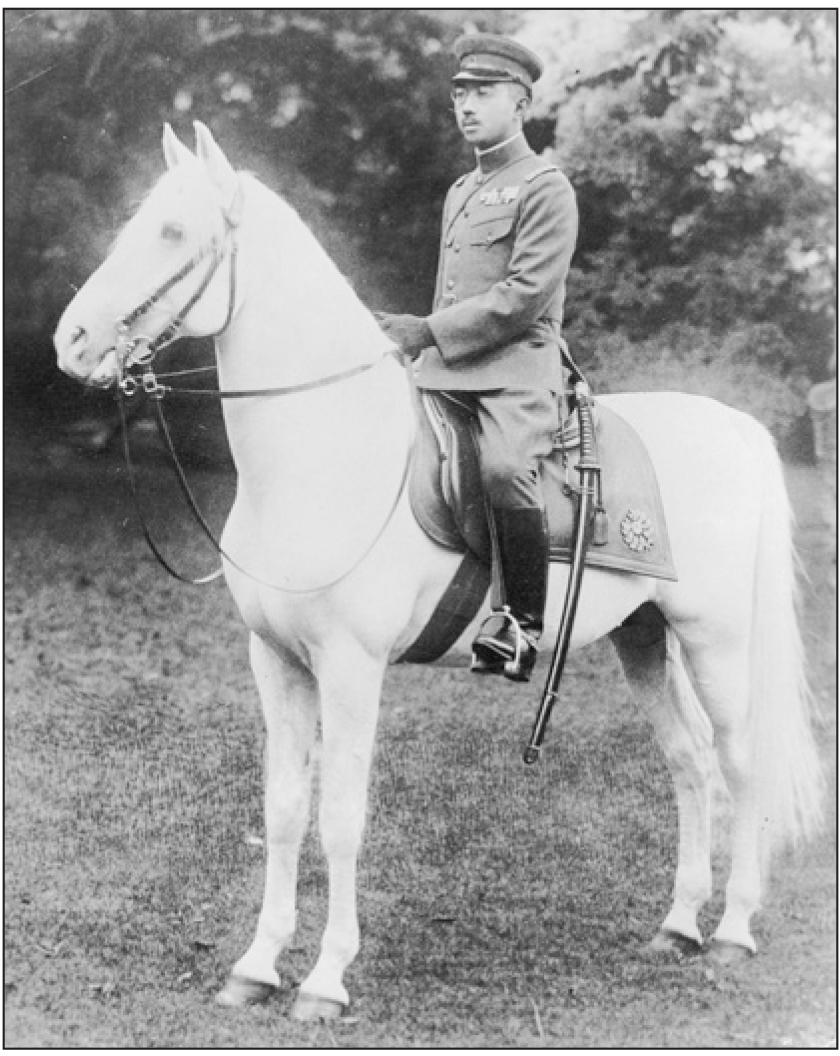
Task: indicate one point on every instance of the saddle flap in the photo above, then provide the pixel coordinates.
(452, 425)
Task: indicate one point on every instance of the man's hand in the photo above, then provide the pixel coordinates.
(410, 332)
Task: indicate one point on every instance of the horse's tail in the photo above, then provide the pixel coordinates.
(787, 766)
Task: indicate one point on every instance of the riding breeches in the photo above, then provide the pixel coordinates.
(515, 432)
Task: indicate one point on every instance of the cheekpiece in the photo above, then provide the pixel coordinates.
(489, 57)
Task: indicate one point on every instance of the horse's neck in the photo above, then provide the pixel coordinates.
(300, 319)
(323, 454)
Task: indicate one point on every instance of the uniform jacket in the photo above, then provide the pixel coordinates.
(509, 231)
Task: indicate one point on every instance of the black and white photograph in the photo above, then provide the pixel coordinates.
(420, 515)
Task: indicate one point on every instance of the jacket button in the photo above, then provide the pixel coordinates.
(451, 284)
(457, 248)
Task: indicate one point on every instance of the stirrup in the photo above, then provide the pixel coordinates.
(491, 657)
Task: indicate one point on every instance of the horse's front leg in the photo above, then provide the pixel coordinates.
(350, 684)
(290, 704)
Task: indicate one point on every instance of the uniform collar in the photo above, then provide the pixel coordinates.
(499, 157)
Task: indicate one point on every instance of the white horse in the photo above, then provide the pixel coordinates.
(334, 582)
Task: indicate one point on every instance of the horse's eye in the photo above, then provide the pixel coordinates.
(172, 232)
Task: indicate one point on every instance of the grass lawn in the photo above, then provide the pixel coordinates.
(501, 906)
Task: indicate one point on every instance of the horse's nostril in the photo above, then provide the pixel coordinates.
(79, 334)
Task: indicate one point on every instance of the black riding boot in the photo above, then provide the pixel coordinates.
(507, 642)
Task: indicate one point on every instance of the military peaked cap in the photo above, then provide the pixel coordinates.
(488, 57)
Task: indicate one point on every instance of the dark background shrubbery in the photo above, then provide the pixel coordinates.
(698, 143)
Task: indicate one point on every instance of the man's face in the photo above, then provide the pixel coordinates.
(487, 112)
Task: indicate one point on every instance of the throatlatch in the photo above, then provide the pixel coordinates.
(589, 509)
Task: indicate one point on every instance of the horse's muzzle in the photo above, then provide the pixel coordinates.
(79, 361)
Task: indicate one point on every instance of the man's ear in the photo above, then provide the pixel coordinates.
(523, 103)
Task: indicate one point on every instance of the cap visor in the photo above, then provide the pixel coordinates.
(488, 78)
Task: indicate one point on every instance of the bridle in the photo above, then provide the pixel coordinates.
(128, 384)
(126, 347)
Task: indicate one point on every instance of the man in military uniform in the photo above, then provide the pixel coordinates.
(493, 338)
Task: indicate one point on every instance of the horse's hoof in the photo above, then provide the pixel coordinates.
(239, 992)
(311, 1009)
(667, 941)
(729, 954)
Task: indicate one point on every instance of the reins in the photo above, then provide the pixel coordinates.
(151, 383)
(195, 509)
(128, 384)
(138, 508)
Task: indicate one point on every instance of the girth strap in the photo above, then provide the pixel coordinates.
(455, 611)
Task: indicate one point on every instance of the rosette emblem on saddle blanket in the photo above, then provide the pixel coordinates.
(448, 501)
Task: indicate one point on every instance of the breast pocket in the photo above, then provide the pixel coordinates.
(491, 232)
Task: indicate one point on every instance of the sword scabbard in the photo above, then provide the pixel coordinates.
(590, 470)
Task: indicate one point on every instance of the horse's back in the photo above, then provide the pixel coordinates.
(711, 477)
(691, 439)
(674, 417)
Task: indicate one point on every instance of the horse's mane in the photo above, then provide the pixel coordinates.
(285, 237)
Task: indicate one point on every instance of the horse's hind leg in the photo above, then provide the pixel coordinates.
(720, 675)
(350, 683)
(650, 656)
(290, 705)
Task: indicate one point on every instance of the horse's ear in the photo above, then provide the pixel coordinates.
(219, 169)
(174, 150)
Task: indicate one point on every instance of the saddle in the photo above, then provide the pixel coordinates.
(448, 502)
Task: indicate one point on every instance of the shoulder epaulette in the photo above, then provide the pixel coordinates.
(540, 172)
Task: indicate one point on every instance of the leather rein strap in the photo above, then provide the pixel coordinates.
(138, 508)
(281, 390)
(192, 503)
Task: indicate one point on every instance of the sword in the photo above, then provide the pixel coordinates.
(590, 500)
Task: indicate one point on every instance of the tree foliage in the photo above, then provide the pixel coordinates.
(344, 111)
(705, 199)
(698, 143)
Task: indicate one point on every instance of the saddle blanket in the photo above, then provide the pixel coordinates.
(448, 501)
